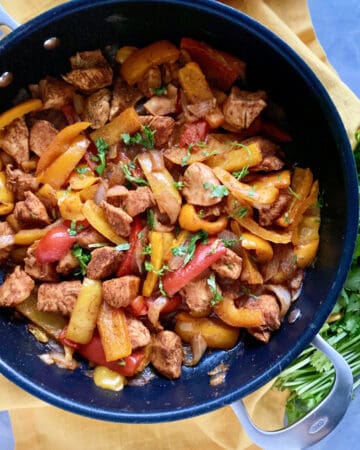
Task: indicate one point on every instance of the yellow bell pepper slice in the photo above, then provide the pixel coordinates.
(70, 205)
(268, 235)
(263, 249)
(85, 313)
(238, 317)
(246, 192)
(279, 180)
(59, 171)
(123, 53)
(6, 196)
(108, 379)
(28, 237)
(96, 218)
(305, 253)
(126, 122)
(156, 241)
(301, 184)
(113, 331)
(52, 323)
(190, 221)
(82, 180)
(60, 144)
(236, 157)
(216, 333)
(48, 193)
(197, 89)
(18, 111)
(89, 192)
(161, 183)
(141, 60)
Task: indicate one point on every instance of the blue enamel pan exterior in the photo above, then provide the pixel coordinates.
(320, 142)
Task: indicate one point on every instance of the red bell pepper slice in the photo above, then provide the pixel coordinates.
(219, 67)
(94, 352)
(140, 305)
(70, 114)
(128, 265)
(194, 132)
(54, 245)
(205, 255)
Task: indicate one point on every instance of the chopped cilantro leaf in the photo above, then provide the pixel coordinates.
(160, 272)
(82, 170)
(239, 174)
(145, 138)
(216, 191)
(83, 256)
(189, 248)
(178, 185)
(146, 250)
(293, 193)
(159, 91)
(102, 149)
(185, 159)
(216, 295)
(135, 180)
(72, 230)
(229, 242)
(150, 218)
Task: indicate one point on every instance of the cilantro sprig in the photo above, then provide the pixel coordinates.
(129, 176)
(188, 249)
(83, 256)
(216, 191)
(216, 295)
(102, 149)
(145, 138)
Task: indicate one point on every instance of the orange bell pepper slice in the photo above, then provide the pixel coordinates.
(20, 110)
(216, 333)
(190, 221)
(60, 169)
(139, 61)
(113, 331)
(263, 249)
(6, 196)
(238, 317)
(60, 144)
(156, 260)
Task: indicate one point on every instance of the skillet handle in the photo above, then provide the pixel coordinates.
(315, 425)
(7, 20)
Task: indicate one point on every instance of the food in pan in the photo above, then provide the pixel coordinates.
(148, 204)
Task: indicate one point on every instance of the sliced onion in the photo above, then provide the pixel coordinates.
(60, 360)
(154, 312)
(6, 240)
(295, 294)
(198, 348)
(100, 194)
(202, 108)
(158, 225)
(283, 295)
(157, 162)
(138, 251)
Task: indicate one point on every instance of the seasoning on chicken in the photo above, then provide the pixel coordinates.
(58, 297)
(119, 292)
(41, 135)
(14, 140)
(31, 212)
(16, 288)
(167, 354)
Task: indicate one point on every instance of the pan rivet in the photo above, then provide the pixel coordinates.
(5, 79)
(51, 43)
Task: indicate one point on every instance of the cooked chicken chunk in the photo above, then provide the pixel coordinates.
(167, 354)
(41, 135)
(14, 140)
(16, 288)
(31, 212)
(119, 292)
(58, 297)
(199, 183)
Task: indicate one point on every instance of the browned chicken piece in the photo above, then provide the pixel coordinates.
(104, 262)
(271, 154)
(119, 292)
(167, 354)
(55, 93)
(37, 271)
(123, 96)
(55, 116)
(161, 105)
(138, 201)
(19, 182)
(41, 135)
(16, 288)
(242, 107)
(198, 296)
(270, 308)
(67, 264)
(97, 108)
(58, 297)
(267, 214)
(199, 181)
(163, 126)
(201, 109)
(229, 265)
(14, 140)
(150, 81)
(90, 71)
(117, 218)
(88, 237)
(114, 174)
(6, 239)
(138, 333)
(31, 212)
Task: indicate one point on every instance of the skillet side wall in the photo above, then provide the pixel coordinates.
(320, 144)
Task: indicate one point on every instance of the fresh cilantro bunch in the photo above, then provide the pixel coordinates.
(310, 377)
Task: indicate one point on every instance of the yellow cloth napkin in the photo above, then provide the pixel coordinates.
(39, 426)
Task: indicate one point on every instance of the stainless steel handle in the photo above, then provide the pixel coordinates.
(315, 425)
(7, 21)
